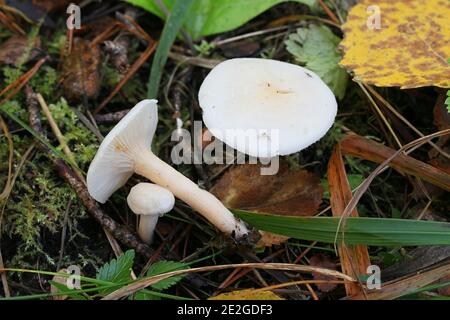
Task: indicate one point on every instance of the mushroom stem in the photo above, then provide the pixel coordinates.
(146, 227)
(150, 166)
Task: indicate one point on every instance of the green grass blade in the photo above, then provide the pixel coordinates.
(369, 231)
(171, 28)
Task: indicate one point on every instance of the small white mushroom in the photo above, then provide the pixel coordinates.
(126, 150)
(267, 96)
(150, 201)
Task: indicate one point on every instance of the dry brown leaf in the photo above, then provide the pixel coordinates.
(323, 261)
(81, 75)
(354, 259)
(19, 48)
(289, 192)
(270, 239)
(409, 50)
(248, 294)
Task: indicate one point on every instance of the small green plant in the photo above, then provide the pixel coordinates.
(119, 270)
(316, 48)
(204, 48)
(110, 277)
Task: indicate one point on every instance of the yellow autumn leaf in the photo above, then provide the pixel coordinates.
(408, 48)
(249, 294)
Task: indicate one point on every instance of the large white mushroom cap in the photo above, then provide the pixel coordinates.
(289, 107)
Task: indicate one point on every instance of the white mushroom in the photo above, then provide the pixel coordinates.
(150, 201)
(268, 96)
(126, 150)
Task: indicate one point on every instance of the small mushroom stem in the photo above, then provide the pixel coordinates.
(150, 166)
(146, 227)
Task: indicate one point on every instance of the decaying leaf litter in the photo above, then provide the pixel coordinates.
(374, 190)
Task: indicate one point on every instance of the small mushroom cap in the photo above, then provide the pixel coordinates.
(113, 164)
(150, 199)
(270, 97)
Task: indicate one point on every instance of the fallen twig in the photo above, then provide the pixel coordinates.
(112, 117)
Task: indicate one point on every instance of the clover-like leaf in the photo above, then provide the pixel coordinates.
(316, 48)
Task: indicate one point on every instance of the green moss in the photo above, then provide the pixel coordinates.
(81, 141)
(56, 42)
(11, 74)
(45, 81)
(36, 208)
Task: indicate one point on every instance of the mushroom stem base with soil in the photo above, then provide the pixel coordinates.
(150, 166)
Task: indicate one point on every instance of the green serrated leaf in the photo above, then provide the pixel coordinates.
(161, 267)
(316, 49)
(117, 270)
